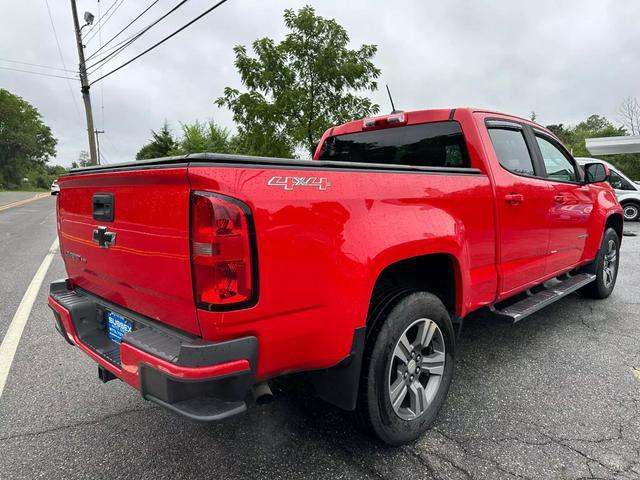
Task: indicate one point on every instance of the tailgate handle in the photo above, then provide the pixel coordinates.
(103, 206)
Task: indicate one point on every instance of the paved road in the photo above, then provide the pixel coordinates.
(10, 197)
(551, 397)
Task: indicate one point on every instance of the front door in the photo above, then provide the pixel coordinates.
(570, 208)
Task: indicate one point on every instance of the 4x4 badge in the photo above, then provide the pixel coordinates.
(289, 183)
(103, 237)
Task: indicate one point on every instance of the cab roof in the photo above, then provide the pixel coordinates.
(413, 117)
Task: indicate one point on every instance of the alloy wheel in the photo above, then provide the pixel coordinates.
(610, 264)
(416, 369)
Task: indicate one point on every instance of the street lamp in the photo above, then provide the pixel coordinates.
(88, 18)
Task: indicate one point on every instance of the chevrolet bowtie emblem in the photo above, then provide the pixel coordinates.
(103, 237)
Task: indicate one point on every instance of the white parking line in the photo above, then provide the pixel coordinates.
(14, 333)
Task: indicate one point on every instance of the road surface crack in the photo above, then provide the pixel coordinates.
(74, 425)
(462, 444)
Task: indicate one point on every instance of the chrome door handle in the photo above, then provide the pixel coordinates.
(514, 198)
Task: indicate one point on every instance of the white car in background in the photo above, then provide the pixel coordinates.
(627, 191)
(55, 188)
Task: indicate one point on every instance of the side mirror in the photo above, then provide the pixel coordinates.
(596, 172)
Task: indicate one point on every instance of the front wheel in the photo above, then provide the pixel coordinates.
(605, 267)
(408, 369)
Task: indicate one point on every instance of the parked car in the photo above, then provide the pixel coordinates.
(627, 191)
(196, 279)
(55, 188)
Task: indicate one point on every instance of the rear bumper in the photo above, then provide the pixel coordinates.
(201, 380)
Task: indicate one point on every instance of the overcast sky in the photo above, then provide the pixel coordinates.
(564, 59)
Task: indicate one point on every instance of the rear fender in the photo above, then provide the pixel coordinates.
(447, 239)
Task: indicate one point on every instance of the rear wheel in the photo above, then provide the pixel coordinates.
(408, 369)
(631, 211)
(605, 267)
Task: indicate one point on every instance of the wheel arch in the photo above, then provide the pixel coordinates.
(615, 221)
(437, 273)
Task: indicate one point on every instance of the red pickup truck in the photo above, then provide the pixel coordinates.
(196, 279)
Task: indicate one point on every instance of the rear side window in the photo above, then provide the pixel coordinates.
(436, 144)
(511, 150)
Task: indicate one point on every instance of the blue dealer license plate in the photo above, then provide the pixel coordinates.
(117, 326)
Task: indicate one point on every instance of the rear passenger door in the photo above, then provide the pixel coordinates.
(570, 205)
(522, 206)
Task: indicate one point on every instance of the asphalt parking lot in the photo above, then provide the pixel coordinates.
(554, 396)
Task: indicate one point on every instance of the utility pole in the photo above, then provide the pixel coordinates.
(98, 132)
(84, 81)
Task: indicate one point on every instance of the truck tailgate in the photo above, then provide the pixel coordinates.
(146, 266)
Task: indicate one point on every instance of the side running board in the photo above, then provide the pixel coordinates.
(533, 302)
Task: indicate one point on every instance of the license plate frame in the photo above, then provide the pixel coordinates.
(117, 326)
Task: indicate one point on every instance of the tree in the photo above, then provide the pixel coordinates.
(596, 126)
(203, 137)
(162, 144)
(629, 113)
(26, 143)
(574, 137)
(565, 134)
(298, 88)
(83, 160)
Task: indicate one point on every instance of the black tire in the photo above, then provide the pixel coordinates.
(631, 211)
(604, 283)
(375, 408)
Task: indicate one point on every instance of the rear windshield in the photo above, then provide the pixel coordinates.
(436, 144)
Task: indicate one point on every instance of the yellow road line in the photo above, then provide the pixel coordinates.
(22, 202)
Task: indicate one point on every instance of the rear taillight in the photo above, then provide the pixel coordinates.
(222, 252)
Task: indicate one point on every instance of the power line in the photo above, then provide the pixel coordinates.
(112, 48)
(124, 44)
(206, 12)
(121, 31)
(105, 21)
(117, 46)
(55, 34)
(120, 47)
(135, 37)
(112, 146)
(37, 73)
(37, 65)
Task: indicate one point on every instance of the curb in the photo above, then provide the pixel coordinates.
(37, 196)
